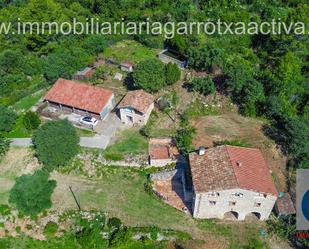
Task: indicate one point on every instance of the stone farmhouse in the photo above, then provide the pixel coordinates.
(162, 151)
(136, 107)
(80, 98)
(231, 182)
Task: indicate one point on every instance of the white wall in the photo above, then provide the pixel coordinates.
(244, 205)
(137, 117)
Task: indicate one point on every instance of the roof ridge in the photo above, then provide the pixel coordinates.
(230, 161)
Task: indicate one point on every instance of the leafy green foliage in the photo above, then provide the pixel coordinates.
(55, 143)
(4, 146)
(149, 75)
(204, 85)
(205, 58)
(172, 73)
(50, 229)
(184, 136)
(31, 120)
(31, 193)
(7, 119)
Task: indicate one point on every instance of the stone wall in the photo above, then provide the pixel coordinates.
(202, 208)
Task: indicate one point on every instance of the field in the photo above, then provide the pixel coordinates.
(129, 50)
(120, 192)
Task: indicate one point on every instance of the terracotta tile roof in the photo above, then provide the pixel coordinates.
(79, 95)
(162, 148)
(228, 167)
(285, 205)
(138, 100)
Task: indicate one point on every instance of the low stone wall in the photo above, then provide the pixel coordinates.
(166, 175)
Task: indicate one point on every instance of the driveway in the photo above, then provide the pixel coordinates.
(99, 142)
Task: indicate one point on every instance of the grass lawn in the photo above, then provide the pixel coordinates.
(84, 133)
(27, 102)
(128, 142)
(129, 50)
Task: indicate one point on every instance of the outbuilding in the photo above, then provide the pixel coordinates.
(81, 98)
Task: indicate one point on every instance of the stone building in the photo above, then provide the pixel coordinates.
(126, 66)
(231, 182)
(80, 98)
(162, 151)
(135, 108)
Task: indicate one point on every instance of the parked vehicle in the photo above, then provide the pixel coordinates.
(89, 121)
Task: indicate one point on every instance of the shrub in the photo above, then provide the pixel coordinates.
(18, 229)
(31, 193)
(56, 142)
(172, 73)
(114, 222)
(4, 146)
(204, 85)
(7, 119)
(50, 229)
(31, 120)
(4, 210)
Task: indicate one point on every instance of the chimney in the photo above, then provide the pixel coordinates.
(202, 151)
(239, 163)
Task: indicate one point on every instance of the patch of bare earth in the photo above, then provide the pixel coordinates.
(233, 126)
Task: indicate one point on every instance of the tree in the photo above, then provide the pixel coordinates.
(7, 119)
(31, 120)
(204, 85)
(172, 73)
(31, 193)
(206, 57)
(149, 75)
(55, 143)
(184, 135)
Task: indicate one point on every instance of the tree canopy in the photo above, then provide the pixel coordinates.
(31, 193)
(55, 143)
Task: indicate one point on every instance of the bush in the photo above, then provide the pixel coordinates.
(4, 146)
(31, 193)
(114, 223)
(50, 229)
(7, 119)
(31, 120)
(172, 73)
(204, 85)
(56, 142)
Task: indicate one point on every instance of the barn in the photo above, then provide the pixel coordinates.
(80, 98)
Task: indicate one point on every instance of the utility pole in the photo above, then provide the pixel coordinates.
(76, 201)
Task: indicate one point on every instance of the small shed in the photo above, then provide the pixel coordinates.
(284, 205)
(126, 66)
(84, 74)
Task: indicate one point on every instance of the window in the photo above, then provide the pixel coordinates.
(257, 204)
(128, 110)
(212, 203)
(238, 195)
(260, 195)
(232, 203)
(213, 194)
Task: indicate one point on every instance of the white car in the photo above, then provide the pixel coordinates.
(89, 121)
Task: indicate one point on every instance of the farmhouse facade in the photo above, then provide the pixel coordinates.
(80, 98)
(231, 182)
(136, 107)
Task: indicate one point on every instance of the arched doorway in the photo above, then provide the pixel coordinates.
(231, 215)
(253, 216)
